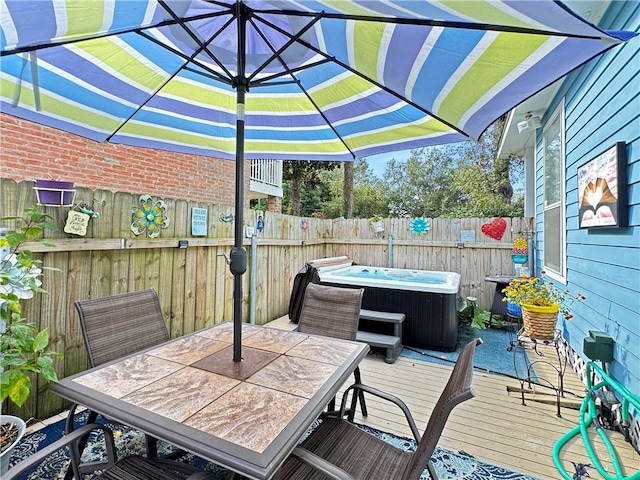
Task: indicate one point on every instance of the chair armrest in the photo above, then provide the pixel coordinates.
(71, 439)
(320, 464)
(357, 387)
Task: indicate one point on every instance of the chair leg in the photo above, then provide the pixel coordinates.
(332, 405)
(151, 444)
(70, 427)
(354, 401)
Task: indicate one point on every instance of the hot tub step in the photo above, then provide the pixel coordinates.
(390, 342)
(387, 317)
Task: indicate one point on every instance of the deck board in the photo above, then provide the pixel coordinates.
(493, 427)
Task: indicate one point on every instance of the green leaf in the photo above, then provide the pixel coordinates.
(19, 387)
(41, 341)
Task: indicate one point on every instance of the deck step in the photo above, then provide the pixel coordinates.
(387, 317)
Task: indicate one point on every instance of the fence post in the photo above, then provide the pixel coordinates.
(253, 270)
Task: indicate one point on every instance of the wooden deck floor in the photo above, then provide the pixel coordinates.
(493, 427)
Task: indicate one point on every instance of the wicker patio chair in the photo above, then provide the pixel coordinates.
(333, 312)
(131, 467)
(337, 449)
(116, 326)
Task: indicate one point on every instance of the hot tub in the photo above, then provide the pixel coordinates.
(427, 298)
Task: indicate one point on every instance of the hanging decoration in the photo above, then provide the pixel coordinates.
(260, 224)
(495, 229)
(149, 216)
(419, 226)
(304, 224)
(227, 218)
(519, 253)
(78, 219)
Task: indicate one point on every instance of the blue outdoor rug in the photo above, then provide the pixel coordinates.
(449, 465)
(492, 356)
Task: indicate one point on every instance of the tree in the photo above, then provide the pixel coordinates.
(458, 180)
(421, 186)
(367, 192)
(303, 173)
(347, 189)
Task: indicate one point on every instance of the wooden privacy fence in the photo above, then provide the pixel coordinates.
(194, 283)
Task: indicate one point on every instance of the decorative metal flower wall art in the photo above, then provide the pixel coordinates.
(149, 216)
(419, 226)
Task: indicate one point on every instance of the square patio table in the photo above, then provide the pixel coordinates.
(246, 416)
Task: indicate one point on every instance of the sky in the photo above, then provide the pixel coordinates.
(378, 163)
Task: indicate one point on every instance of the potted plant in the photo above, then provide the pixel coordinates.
(23, 348)
(376, 223)
(541, 302)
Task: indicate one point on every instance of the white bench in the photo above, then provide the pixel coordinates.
(393, 343)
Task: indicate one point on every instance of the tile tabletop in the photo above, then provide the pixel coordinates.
(189, 391)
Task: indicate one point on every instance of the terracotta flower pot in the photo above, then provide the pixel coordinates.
(540, 322)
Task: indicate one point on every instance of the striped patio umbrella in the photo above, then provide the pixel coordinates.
(279, 79)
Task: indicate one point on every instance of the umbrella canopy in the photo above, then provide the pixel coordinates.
(279, 79)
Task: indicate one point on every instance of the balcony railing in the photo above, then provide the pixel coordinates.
(266, 178)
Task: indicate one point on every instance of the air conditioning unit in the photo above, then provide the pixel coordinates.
(529, 125)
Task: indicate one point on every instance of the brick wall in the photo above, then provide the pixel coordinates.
(29, 151)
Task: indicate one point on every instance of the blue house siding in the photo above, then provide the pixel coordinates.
(602, 107)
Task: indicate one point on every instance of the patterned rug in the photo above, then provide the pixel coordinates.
(449, 465)
(492, 356)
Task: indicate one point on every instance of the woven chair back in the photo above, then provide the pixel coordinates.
(122, 324)
(457, 390)
(331, 311)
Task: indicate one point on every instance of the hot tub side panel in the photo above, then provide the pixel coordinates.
(431, 318)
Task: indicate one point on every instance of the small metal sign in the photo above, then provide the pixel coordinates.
(468, 236)
(198, 221)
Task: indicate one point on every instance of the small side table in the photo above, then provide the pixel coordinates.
(498, 307)
(525, 377)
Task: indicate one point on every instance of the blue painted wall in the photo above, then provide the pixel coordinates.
(602, 107)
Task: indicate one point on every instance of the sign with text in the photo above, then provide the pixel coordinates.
(77, 223)
(198, 221)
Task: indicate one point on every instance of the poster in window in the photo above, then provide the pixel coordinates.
(602, 182)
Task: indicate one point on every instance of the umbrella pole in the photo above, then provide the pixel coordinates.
(238, 264)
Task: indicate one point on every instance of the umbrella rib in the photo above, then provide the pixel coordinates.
(276, 53)
(165, 23)
(194, 37)
(190, 59)
(432, 23)
(166, 80)
(329, 124)
(265, 80)
(288, 71)
(370, 80)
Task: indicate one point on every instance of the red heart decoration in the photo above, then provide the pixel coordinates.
(495, 229)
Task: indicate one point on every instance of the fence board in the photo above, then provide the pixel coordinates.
(195, 285)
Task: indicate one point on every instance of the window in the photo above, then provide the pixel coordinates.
(554, 195)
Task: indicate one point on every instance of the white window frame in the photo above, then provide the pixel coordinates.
(553, 272)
